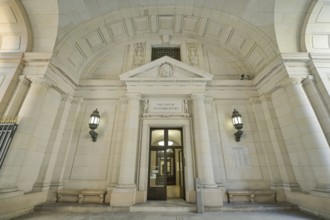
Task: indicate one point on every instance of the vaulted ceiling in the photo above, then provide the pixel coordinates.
(75, 32)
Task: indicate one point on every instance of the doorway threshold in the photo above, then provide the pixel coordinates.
(170, 205)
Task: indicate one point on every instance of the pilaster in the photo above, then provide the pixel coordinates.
(203, 155)
(124, 192)
(287, 176)
(43, 181)
(114, 164)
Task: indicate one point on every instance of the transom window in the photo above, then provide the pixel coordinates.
(158, 52)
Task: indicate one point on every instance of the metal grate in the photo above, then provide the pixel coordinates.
(7, 131)
(158, 52)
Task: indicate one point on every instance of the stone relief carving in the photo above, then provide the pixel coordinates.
(146, 106)
(193, 54)
(185, 106)
(139, 54)
(165, 71)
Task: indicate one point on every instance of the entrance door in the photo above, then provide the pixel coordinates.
(166, 177)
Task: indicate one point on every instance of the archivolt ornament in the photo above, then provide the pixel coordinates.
(165, 71)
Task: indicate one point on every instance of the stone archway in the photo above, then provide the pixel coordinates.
(83, 44)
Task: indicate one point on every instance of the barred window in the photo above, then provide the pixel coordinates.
(7, 131)
(158, 52)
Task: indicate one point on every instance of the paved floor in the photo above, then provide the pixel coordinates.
(266, 215)
(62, 211)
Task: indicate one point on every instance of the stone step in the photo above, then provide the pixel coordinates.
(187, 207)
(161, 209)
(175, 205)
(162, 206)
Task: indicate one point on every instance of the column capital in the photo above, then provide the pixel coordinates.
(209, 100)
(24, 79)
(77, 100)
(254, 100)
(41, 81)
(122, 100)
(309, 80)
(67, 97)
(291, 81)
(133, 96)
(198, 97)
(266, 97)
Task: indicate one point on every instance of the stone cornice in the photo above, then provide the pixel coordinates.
(320, 56)
(295, 57)
(36, 57)
(10, 57)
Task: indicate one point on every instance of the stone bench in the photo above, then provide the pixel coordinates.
(252, 194)
(72, 195)
(99, 194)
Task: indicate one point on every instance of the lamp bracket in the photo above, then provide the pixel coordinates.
(93, 135)
(238, 135)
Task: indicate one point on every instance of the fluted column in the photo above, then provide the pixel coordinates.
(202, 142)
(124, 192)
(312, 137)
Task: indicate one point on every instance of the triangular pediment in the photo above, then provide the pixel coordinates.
(166, 69)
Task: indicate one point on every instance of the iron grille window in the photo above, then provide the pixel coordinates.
(158, 52)
(7, 131)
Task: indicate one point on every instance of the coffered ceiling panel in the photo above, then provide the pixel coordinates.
(95, 40)
(141, 24)
(190, 24)
(237, 40)
(165, 22)
(118, 29)
(77, 57)
(213, 29)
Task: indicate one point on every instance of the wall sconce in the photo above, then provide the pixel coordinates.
(94, 121)
(238, 124)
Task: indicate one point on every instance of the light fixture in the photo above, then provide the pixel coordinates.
(94, 121)
(238, 124)
(162, 143)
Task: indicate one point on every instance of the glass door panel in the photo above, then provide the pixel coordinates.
(157, 174)
(158, 138)
(174, 138)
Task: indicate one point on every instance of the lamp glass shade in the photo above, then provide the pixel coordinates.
(94, 119)
(237, 120)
